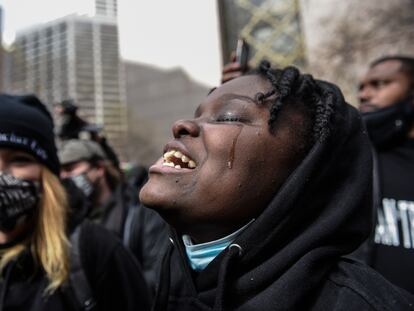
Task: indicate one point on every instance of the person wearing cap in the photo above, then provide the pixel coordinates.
(87, 165)
(69, 123)
(113, 203)
(43, 266)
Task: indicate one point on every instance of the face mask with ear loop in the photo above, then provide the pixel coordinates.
(18, 199)
(389, 126)
(83, 183)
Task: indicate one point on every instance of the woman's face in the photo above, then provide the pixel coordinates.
(231, 164)
(20, 164)
(24, 166)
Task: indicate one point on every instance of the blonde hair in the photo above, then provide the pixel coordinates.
(49, 243)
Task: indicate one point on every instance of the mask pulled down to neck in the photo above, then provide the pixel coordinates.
(389, 126)
(18, 198)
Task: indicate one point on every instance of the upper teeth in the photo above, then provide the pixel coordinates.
(171, 154)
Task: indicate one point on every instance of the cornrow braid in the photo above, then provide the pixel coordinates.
(290, 85)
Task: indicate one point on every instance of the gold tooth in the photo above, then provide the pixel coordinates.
(168, 154)
(178, 154)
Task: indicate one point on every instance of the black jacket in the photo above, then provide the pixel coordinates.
(114, 277)
(112, 213)
(293, 256)
(148, 236)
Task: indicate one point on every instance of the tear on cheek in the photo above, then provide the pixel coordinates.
(232, 152)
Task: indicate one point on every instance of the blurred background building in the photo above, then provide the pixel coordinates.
(1, 52)
(76, 57)
(343, 37)
(334, 40)
(272, 29)
(156, 98)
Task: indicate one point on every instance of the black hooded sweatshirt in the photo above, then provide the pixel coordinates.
(114, 278)
(292, 257)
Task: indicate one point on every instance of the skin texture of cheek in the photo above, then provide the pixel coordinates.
(395, 93)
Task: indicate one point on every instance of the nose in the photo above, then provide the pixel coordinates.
(185, 128)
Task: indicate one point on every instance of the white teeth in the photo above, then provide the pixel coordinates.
(168, 154)
(178, 154)
(171, 164)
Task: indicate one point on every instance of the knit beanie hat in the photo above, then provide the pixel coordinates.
(26, 124)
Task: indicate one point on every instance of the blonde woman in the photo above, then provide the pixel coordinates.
(41, 267)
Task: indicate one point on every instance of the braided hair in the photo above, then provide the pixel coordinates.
(289, 86)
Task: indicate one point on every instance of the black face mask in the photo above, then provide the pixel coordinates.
(389, 126)
(18, 198)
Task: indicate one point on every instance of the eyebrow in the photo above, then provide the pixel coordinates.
(237, 96)
(211, 90)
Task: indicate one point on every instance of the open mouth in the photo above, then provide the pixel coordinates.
(178, 160)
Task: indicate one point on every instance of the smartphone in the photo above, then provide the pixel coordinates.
(242, 53)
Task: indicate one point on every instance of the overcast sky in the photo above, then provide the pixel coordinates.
(161, 32)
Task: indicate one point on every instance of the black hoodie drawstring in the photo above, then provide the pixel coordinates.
(6, 284)
(161, 298)
(234, 251)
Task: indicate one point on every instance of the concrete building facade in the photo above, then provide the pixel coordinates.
(76, 57)
(331, 39)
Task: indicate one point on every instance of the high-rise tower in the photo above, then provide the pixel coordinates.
(76, 57)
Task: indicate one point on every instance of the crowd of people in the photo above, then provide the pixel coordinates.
(276, 195)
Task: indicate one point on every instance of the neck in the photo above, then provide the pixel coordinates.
(209, 234)
(204, 236)
(104, 193)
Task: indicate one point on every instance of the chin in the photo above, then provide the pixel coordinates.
(163, 202)
(148, 196)
(155, 196)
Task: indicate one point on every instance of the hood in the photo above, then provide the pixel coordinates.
(322, 212)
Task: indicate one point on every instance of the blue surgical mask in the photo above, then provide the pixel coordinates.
(200, 255)
(83, 183)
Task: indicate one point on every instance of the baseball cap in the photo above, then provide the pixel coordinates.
(75, 150)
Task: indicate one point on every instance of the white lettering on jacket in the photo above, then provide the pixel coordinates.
(395, 223)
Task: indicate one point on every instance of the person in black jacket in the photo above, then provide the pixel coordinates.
(268, 188)
(70, 124)
(84, 162)
(386, 96)
(43, 266)
(112, 202)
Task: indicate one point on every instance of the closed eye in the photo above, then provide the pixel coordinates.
(228, 119)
